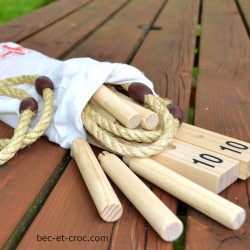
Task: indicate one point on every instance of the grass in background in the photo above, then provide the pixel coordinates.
(10, 9)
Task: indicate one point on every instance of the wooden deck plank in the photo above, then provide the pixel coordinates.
(19, 179)
(147, 58)
(20, 28)
(77, 26)
(48, 168)
(169, 51)
(118, 38)
(129, 232)
(222, 105)
(166, 57)
(61, 220)
(69, 212)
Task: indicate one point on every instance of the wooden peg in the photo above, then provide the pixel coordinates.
(117, 107)
(101, 111)
(165, 223)
(218, 143)
(214, 206)
(102, 193)
(209, 169)
(149, 119)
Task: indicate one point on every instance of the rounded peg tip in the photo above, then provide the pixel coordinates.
(176, 111)
(172, 231)
(43, 82)
(28, 103)
(137, 91)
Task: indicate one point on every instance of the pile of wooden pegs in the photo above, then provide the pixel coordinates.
(194, 167)
(142, 135)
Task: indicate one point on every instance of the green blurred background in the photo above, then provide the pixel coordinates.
(10, 9)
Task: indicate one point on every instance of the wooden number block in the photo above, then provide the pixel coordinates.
(218, 143)
(206, 168)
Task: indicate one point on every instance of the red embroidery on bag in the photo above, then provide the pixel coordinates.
(8, 50)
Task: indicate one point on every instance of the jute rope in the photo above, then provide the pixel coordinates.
(22, 137)
(136, 142)
(123, 141)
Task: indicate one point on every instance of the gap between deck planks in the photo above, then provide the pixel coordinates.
(244, 10)
(25, 165)
(217, 128)
(25, 26)
(222, 105)
(121, 236)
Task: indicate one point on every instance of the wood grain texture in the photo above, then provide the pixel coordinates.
(169, 51)
(118, 38)
(20, 28)
(113, 31)
(69, 211)
(131, 231)
(245, 9)
(159, 216)
(78, 25)
(186, 159)
(22, 178)
(102, 193)
(218, 143)
(214, 206)
(118, 108)
(52, 153)
(222, 105)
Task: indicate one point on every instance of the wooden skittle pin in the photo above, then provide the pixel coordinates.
(149, 119)
(205, 201)
(102, 193)
(165, 223)
(117, 107)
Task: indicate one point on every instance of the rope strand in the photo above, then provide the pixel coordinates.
(21, 137)
(168, 128)
(121, 140)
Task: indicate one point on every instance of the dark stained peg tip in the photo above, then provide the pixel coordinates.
(176, 111)
(43, 82)
(28, 103)
(137, 91)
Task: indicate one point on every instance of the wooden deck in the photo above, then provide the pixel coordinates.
(42, 193)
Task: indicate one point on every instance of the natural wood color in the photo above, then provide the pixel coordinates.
(158, 37)
(214, 206)
(103, 195)
(113, 44)
(97, 108)
(119, 109)
(20, 28)
(69, 198)
(167, 55)
(78, 25)
(165, 223)
(149, 119)
(213, 175)
(219, 144)
(222, 106)
(22, 178)
(110, 43)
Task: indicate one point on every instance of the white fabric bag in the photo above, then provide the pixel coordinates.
(75, 80)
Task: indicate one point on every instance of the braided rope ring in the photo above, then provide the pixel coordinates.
(123, 141)
(167, 128)
(22, 137)
(136, 135)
